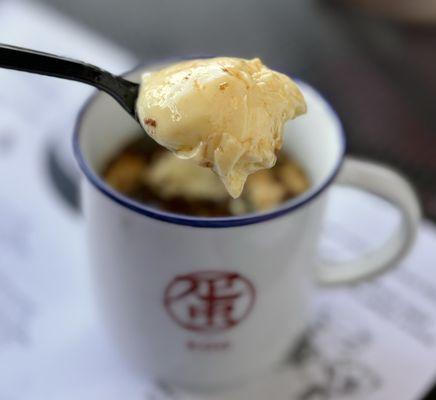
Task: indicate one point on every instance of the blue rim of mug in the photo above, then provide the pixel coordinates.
(202, 222)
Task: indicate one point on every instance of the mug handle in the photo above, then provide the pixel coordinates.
(389, 185)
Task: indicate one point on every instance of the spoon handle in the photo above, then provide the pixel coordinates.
(21, 59)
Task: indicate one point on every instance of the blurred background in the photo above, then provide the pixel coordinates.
(375, 60)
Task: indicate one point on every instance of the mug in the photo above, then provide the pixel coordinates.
(203, 303)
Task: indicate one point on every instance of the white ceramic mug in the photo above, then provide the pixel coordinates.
(206, 302)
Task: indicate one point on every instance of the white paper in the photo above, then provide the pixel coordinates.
(373, 341)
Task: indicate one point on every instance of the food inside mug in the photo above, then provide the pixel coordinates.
(150, 174)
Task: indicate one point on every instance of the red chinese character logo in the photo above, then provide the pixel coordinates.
(209, 301)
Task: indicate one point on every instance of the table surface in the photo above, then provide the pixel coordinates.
(378, 74)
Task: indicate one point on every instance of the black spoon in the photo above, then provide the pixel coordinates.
(122, 90)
